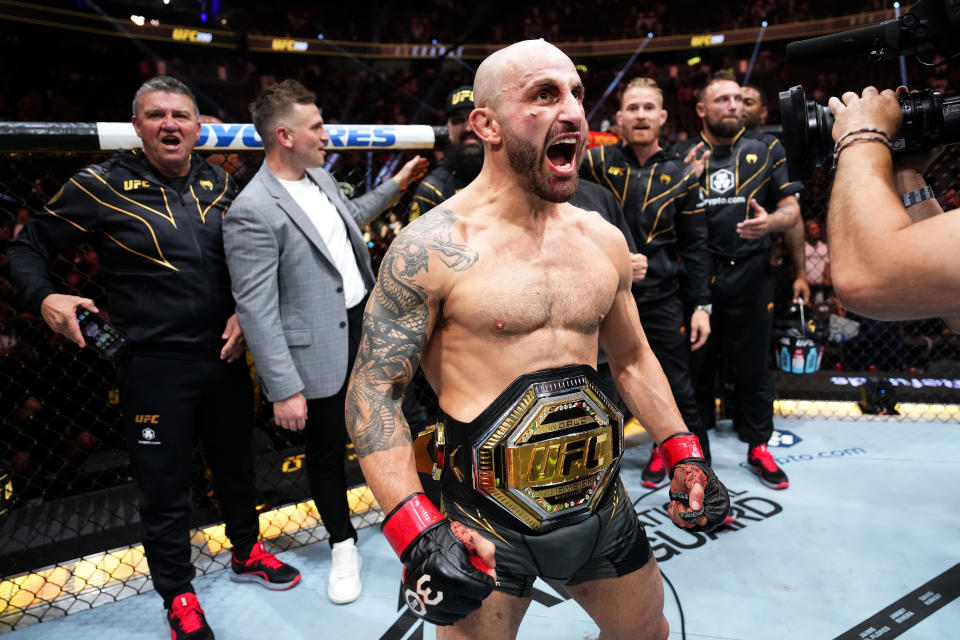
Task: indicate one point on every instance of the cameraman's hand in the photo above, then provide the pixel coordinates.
(872, 109)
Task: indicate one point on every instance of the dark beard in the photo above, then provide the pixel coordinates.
(465, 160)
(721, 129)
(526, 161)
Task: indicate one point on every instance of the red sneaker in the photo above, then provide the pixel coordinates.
(654, 473)
(761, 462)
(263, 568)
(186, 619)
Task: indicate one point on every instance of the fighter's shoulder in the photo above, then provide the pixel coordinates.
(593, 224)
(438, 223)
(436, 235)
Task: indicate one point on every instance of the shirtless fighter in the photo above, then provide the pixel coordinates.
(500, 294)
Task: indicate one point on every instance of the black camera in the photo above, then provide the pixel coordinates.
(929, 119)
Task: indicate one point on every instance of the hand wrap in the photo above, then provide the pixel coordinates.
(443, 579)
(683, 457)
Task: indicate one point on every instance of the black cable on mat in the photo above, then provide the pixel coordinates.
(683, 626)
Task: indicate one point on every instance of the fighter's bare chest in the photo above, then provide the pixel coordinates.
(568, 287)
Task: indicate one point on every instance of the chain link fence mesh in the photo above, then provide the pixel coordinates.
(68, 505)
(69, 522)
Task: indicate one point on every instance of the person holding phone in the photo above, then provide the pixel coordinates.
(154, 215)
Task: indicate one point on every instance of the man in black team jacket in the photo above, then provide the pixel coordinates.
(659, 194)
(462, 158)
(155, 218)
(746, 195)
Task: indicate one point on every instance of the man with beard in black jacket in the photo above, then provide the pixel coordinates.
(462, 157)
(154, 216)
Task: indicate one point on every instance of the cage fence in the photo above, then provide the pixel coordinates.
(69, 523)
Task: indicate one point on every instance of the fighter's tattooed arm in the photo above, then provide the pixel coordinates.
(396, 325)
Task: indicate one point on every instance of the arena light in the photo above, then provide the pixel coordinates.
(137, 20)
(694, 60)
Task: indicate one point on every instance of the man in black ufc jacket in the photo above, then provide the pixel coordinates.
(154, 216)
(659, 194)
(746, 195)
(462, 159)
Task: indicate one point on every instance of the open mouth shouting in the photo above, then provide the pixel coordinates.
(170, 142)
(562, 153)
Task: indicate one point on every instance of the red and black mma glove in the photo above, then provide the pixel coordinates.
(683, 457)
(443, 579)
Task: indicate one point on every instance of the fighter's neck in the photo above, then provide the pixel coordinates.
(508, 198)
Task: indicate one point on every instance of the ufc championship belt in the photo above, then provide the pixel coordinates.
(539, 457)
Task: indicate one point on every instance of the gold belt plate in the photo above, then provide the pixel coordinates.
(550, 457)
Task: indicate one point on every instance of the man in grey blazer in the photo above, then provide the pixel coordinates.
(300, 274)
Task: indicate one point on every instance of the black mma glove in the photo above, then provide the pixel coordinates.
(683, 457)
(443, 579)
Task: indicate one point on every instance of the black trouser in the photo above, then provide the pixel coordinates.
(667, 332)
(741, 326)
(326, 441)
(166, 404)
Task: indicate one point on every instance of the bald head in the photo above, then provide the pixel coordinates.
(495, 71)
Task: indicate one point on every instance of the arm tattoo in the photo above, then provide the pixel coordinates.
(395, 331)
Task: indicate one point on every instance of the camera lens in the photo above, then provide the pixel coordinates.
(807, 133)
(929, 120)
(922, 126)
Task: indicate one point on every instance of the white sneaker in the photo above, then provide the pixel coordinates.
(344, 585)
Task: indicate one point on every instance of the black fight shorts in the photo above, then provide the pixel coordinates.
(609, 544)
